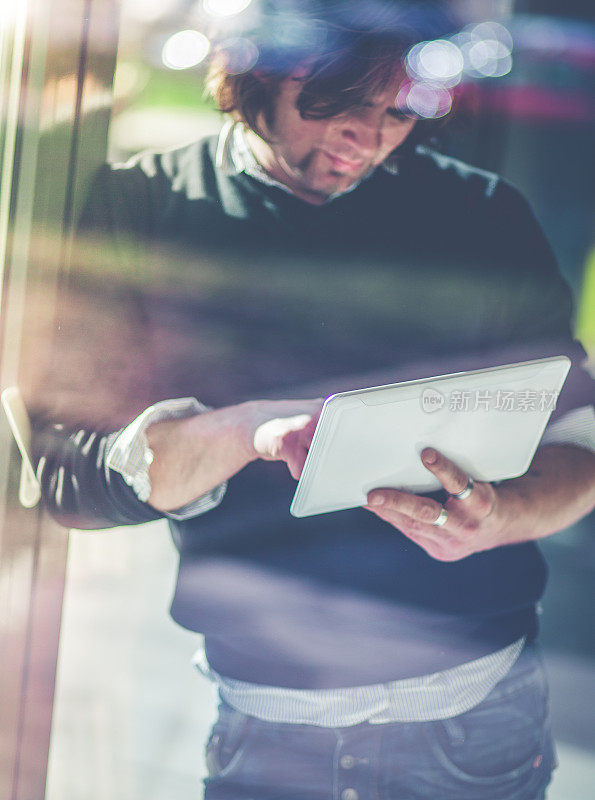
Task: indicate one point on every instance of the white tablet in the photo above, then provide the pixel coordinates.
(488, 421)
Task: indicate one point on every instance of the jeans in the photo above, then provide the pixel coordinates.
(499, 750)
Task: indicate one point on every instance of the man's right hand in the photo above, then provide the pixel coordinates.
(191, 456)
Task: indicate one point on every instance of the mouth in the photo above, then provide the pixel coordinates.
(343, 164)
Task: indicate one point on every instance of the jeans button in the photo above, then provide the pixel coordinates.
(349, 794)
(347, 762)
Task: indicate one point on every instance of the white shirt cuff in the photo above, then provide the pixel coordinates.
(128, 452)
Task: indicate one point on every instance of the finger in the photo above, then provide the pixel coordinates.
(421, 509)
(307, 432)
(296, 462)
(453, 478)
(275, 436)
(476, 505)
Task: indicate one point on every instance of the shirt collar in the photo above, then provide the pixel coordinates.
(234, 155)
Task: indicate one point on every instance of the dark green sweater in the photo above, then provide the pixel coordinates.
(226, 289)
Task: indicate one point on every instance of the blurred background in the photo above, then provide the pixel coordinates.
(97, 684)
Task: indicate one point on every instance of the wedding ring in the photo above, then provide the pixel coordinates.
(466, 491)
(441, 519)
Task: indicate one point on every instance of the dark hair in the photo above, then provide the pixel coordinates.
(345, 71)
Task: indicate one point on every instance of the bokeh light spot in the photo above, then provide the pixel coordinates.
(492, 31)
(424, 100)
(185, 49)
(489, 58)
(440, 61)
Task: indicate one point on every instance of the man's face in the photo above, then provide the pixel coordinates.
(317, 157)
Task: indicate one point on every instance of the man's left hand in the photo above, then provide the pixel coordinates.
(469, 524)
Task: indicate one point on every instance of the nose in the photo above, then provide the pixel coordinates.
(361, 128)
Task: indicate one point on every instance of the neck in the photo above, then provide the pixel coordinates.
(276, 169)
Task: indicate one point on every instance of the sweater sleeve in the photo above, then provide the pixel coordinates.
(78, 488)
(99, 373)
(531, 310)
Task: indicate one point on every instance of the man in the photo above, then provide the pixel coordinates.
(379, 652)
